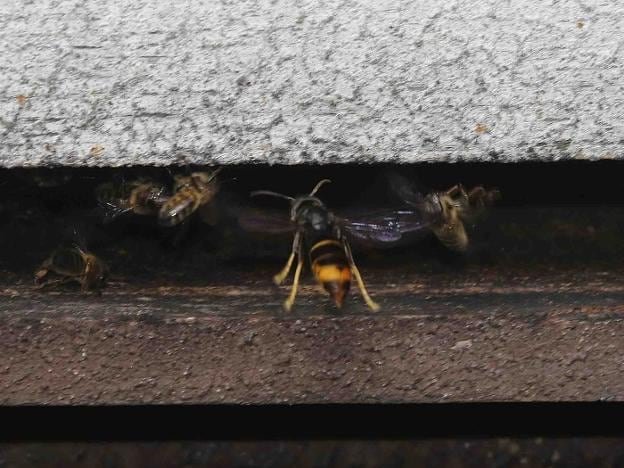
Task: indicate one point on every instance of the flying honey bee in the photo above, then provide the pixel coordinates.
(445, 213)
(191, 193)
(458, 207)
(141, 197)
(72, 264)
(318, 232)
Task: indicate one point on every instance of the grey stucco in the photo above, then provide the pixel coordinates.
(85, 82)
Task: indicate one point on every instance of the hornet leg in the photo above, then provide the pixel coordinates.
(372, 304)
(281, 276)
(293, 292)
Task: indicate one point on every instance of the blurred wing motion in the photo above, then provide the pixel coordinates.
(141, 197)
(112, 200)
(265, 221)
(446, 211)
(404, 189)
(111, 211)
(386, 227)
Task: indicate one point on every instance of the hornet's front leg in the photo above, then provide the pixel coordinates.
(281, 276)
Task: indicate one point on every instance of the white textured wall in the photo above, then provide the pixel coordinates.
(134, 82)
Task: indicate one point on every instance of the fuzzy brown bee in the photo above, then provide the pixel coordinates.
(141, 197)
(72, 264)
(456, 207)
(190, 194)
(318, 231)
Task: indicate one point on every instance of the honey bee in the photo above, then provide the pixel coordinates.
(72, 264)
(318, 232)
(192, 192)
(445, 213)
(141, 197)
(458, 207)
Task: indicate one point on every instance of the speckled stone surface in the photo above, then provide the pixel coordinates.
(160, 82)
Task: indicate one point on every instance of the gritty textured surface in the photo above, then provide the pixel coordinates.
(495, 338)
(515, 452)
(86, 83)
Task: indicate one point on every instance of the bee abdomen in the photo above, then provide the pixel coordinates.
(331, 268)
(67, 261)
(94, 272)
(142, 199)
(179, 207)
(453, 236)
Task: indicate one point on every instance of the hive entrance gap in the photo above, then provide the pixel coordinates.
(549, 240)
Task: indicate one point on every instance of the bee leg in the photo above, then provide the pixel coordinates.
(281, 276)
(369, 302)
(40, 274)
(454, 190)
(56, 282)
(458, 193)
(476, 193)
(43, 285)
(87, 286)
(476, 199)
(288, 303)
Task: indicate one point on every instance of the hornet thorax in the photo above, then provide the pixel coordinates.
(314, 219)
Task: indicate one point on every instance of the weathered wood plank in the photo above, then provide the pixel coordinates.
(470, 452)
(82, 83)
(498, 336)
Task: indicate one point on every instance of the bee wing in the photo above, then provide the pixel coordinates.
(264, 221)
(112, 200)
(386, 227)
(177, 209)
(112, 210)
(161, 197)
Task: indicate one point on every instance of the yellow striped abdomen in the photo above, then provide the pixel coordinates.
(331, 268)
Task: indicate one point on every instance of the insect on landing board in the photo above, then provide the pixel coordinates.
(318, 231)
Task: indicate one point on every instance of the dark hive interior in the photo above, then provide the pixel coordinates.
(555, 223)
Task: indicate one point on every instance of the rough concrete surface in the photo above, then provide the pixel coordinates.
(162, 82)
